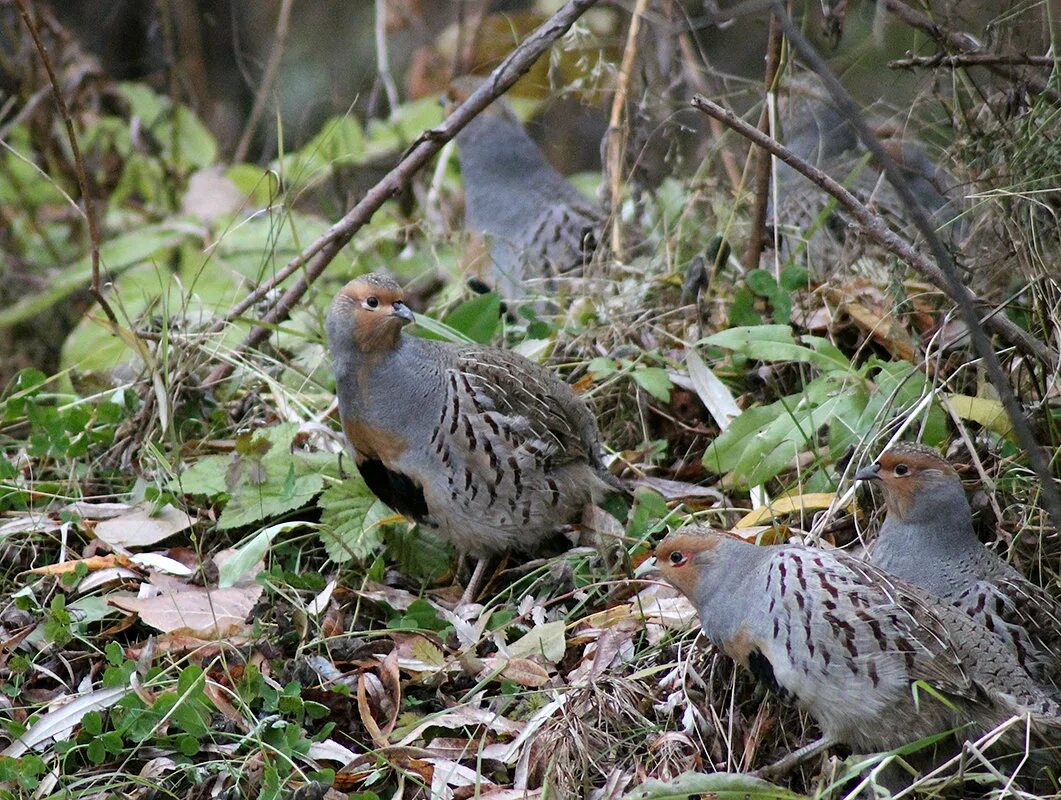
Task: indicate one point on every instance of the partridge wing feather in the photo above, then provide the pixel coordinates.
(1023, 615)
(529, 410)
(872, 624)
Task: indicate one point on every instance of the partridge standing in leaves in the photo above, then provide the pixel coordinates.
(482, 445)
(538, 225)
(928, 539)
(847, 642)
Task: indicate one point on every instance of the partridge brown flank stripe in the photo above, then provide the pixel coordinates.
(847, 641)
(488, 448)
(928, 539)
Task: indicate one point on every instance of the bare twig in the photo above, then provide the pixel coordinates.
(272, 67)
(874, 226)
(963, 43)
(944, 266)
(315, 258)
(616, 129)
(79, 165)
(971, 60)
(383, 66)
(763, 158)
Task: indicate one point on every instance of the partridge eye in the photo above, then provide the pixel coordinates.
(901, 469)
(372, 302)
(677, 558)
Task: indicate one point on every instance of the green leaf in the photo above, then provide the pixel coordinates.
(350, 520)
(773, 343)
(601, 367)
(655, 381)
(478, 318)
(418, 553)
(762, 283)
(742, 310)
(116, 255)
(254, 550)
(794, 278)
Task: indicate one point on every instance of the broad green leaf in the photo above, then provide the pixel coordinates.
(655, 381)
(774, 343)
(418, 553)
(116, 255)
(478, 318)
(761, 282)
(351, 518)
(725, 451)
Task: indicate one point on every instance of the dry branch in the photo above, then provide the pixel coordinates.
(315, 258)
(964, 43)
(971, 60)
(943, 268)
(79, 165)
(272, 68)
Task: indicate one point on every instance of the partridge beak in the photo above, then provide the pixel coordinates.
(870, 473)
(402, 312)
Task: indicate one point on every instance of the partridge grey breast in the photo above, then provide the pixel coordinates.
(538, 225)
(480, 444)
(928, 539)
(846, 641)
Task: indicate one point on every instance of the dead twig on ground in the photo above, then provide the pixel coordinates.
(79, 165)
(315, 258)
(272, 67)
(943, 268)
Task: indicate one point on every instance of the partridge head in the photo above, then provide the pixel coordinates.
(847, 641)
(489, 449)
(538, 225)
(928, 539)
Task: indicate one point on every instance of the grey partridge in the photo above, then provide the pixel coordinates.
(817, 132)
(928, 539)
(847, 642)
(489, 449)
(537, 224)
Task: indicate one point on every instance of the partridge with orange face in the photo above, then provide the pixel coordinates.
(928, 539)
(847, 642)
(487, 448)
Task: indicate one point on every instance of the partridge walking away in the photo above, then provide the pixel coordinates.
(538, 225)
(489, 449)
(847, 642)
(928, 539)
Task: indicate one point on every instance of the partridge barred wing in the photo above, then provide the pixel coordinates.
(1022, 615)
(855, 624)
(535, 415)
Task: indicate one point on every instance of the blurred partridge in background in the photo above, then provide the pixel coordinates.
(489, 449)
(817, 131)
(928, 539)
(846, 641)
(537, 224)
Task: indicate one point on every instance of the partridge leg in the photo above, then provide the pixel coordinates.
(472, 589)
(794, 759)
